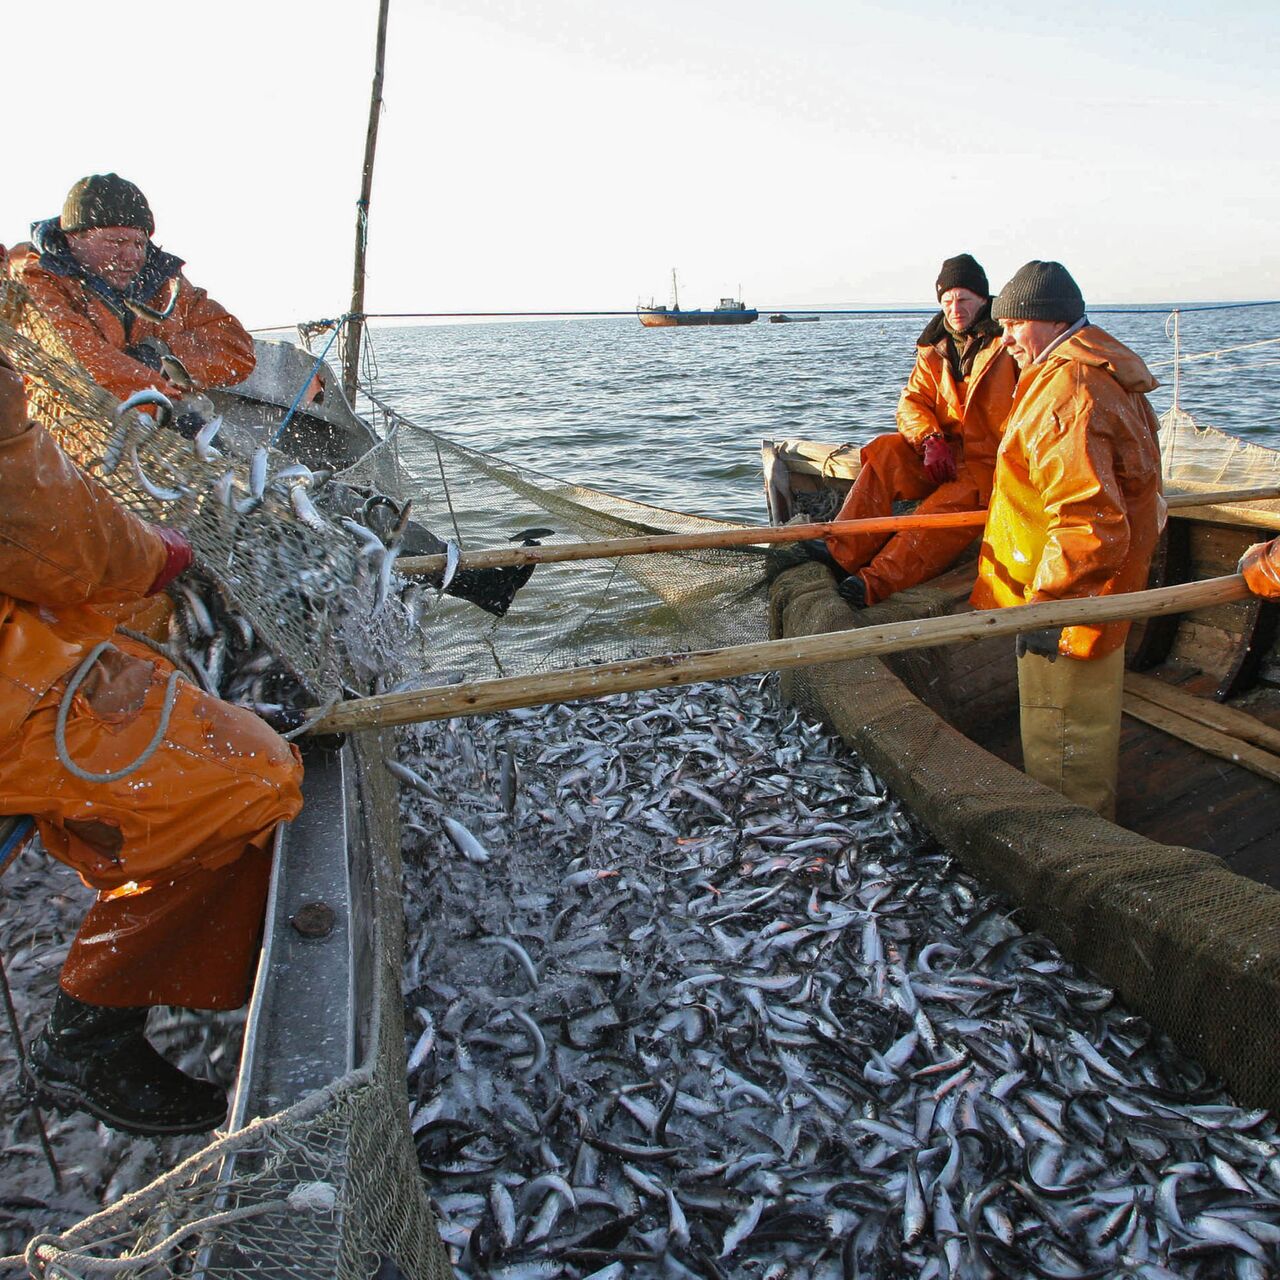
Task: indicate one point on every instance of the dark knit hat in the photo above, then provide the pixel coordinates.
(106, 200)
(1040, 291)
(963, 272)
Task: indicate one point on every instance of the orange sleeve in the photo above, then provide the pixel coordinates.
(1261, 569)
(208, 339)
(918, 404)
(63, 538)
(61, 302)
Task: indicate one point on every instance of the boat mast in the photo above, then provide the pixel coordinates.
(675, 297)
(355, 325)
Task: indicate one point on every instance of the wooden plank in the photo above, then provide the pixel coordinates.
(673, 669)
(1213, 715)
(1221, 745)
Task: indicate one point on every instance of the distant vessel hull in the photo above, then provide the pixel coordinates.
(666, 318)
(781, 319)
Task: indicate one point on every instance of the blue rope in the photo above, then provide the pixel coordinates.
(302, 390)
(19, 833)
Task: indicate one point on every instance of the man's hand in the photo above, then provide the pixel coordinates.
(1044, 643)
(178, 557)
(13, 401)
(939, 461)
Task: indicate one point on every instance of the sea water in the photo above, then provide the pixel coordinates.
(675, 417)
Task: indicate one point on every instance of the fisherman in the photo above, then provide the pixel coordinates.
(1076, 511)
(950, 416)
(121, 303)
(163, 798)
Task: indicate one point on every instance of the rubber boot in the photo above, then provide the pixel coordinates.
(93, 1058)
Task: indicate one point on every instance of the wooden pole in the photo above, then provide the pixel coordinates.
(760, 535)
(671, 669)
(355, 324)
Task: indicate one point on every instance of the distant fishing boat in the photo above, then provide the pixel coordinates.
(726, 311)
(785, 319)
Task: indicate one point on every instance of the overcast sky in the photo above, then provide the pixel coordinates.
(569, 153)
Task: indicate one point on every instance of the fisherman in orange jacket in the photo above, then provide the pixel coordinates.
(1076, 511)
(121, 303)
(950, 417)
(163, 798)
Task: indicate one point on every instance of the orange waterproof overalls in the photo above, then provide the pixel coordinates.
(1261, 569)
(970, 414)
(179, 849)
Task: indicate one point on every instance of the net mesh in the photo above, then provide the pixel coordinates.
(572, 613)
(271, 554)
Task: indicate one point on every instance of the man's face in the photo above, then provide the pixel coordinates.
(1026, 339)
(961, 306)
(114, 253)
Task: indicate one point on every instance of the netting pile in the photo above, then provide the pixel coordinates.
(291, 585)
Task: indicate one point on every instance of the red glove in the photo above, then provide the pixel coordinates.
(178, 557)
(939, 461)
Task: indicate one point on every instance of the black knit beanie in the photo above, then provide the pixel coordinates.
(963, 272)
(1040, 291)
(106, 200)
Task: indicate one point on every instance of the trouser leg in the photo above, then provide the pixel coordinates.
(891, 472)
(178, 849)
(190, 941)
(1070, 712)
(917, 555)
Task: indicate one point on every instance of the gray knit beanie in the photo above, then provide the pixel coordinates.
(106, 200)
(1040, 291)
(963, 272)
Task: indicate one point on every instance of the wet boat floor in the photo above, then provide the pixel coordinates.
(1172, 792)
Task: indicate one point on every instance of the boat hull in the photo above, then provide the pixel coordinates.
(668, 319)
(1172, 928)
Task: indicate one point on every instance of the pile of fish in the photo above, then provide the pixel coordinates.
(687, 994)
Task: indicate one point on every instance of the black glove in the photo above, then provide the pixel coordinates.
(1043, 643)
(853, 591)
(489, 589)
(148, 351)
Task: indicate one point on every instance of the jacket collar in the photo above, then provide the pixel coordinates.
(55, 256)
(936, 330)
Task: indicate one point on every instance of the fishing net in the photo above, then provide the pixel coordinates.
(270, 546)
(571, 613)
(330, 1186)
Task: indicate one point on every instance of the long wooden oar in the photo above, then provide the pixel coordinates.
(669, 669)
(759, 535)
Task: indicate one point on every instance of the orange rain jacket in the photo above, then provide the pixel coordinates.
(970, 413)
(178, 848)
(1261, 568)
(1077, 505)
(211, 343)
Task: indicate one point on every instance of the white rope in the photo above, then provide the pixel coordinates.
(1213, 355)
(43, 1253)
(64, 711)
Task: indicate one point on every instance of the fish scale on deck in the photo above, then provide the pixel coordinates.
(645, 1035)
